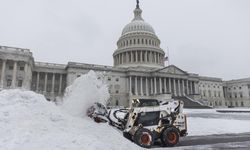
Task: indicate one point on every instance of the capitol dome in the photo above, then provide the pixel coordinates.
(138, 26)
(138, 45)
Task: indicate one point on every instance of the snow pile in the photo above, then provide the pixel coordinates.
(29, 121)
(83, 93)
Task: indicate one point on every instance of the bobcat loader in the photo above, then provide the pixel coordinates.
(148, 121)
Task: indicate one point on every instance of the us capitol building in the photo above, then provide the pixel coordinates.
(139, 71)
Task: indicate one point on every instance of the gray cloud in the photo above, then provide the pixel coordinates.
(208, 37)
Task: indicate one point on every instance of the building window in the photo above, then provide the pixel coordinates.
(215, 103)
(117, 91)
(241, 95)
(116, 102)
(234, 88)
(117, 79)
(214, 93)
(242, 104)
(109, 79)
(20, 83)
(236, 104)
(9, 82)
(225, 103)
(11, 67)
(78, 76)
(220, 103)
(240, 87)
(235, 95)
(219, 94)
(21, 68)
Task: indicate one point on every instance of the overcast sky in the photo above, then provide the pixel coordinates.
(207, 37)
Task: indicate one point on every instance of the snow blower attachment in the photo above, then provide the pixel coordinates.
(146, 121)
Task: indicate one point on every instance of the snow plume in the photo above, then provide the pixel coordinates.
(84, 92)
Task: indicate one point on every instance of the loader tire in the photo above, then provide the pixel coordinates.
(170, 137)
(143, 137)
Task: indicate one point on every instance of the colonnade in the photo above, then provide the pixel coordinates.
(45, 80)
(13, 75)
(139, 56)
(145, 86)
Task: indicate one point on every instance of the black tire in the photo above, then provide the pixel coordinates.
(170, 137)
(144, 138)
(127, 135)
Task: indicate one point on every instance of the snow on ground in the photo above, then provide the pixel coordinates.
(208, 122)
(28, 121)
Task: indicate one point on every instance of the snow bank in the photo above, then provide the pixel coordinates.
(29, 121)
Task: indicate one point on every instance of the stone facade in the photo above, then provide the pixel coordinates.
(139, 71)
(237, 92)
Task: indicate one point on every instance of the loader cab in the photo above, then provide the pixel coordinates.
(148, 118)
(145, 103)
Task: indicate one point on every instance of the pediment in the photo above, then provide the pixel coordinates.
(172, 70)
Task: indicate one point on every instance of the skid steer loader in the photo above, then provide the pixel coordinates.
(148, 121)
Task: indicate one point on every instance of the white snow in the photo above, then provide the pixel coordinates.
(213, 122)
(28, 121)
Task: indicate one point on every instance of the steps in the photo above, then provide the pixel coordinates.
(190, 103)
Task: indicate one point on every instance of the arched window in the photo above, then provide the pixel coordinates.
(138, 41)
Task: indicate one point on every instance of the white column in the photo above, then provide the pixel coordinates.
(53, 83)
(132, 56)
(147, 86)
(169, 85)
(136, 91)
(152, 87)
(155, 57)
(187, 88)
(191, 87)
(165, 85)
(179, 87)
(3, 73)
(174, 87)
(158, 58)
(136, 56)
(37, 81)
(45, 83)
(60, 84)
(141, 57)
(141, 88)
(160, 85)
(155, 86)
(26, 75)
(183, 88)
(13, 83)
(122, 58)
